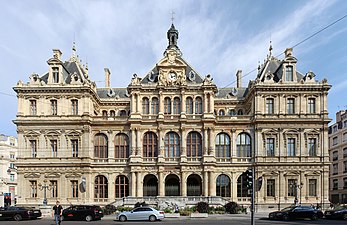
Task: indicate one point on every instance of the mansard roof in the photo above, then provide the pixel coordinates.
(232, 92)
(112, 92)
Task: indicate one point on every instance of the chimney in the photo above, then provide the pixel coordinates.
(57, 54)
(107, 77)
(288, 52)
(238, 78)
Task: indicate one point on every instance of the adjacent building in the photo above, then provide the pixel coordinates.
(338, 157)
(172, 135)
(8, 171)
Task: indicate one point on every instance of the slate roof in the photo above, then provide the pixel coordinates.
(112, 92)
(224, 92)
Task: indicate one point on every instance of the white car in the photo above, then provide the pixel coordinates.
(141, 213)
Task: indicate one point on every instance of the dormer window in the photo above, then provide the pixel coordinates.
(55, 75)
(289, 73)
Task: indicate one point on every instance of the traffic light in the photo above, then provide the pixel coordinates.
(249, 179)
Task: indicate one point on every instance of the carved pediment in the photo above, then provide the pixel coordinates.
(172, 77)
(52, 175)
(32, 175)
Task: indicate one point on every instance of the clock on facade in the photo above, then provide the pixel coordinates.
(172, 76)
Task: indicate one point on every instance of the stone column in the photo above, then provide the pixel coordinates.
(137, 103)
(183, 142)
(206, 182)
(161, 184)
(205, 146)
(210, 144)
(139, 186)
(184, 184)
(161, 103)
(233, 187)
(138, 143)
(212, 184)
(133, 184)
(205, 103)
(133, 143)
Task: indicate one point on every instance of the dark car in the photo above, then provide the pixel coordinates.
(296, 212)
(19, 213)
(83, 212)
(340, 212)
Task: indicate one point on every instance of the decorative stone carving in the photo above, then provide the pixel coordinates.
(208, 80)
(135, 80)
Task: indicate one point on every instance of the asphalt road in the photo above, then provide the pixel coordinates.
(212, 220)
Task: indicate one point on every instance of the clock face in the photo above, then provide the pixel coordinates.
(172, 76)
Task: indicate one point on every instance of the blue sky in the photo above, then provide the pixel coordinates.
(216, 37)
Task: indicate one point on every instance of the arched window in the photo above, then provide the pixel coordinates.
(150, 147)
(243, 145)
(100, 187)
(176, 106)
(121, 146)
(194, 145)
(221, 112)
(104, 114)
(145, 106)
(100, 146)
(223, 186)
(123, 113)
(172, 145)
(198, 105)
(189, 105)
(155, 106)
(112, 114)
(242, 190)
(222, 145)
(122, 186)
(240, 112)
(167, 105)
(232, 112)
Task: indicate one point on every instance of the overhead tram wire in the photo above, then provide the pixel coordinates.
(299, 43)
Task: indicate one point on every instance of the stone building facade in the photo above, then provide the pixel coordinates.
(8, 171)
(173, 134)
(338, 157)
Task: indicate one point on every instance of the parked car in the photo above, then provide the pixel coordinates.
(82, 212)
(296, 212)
(141, 213)
(19, 213)
(339, 212)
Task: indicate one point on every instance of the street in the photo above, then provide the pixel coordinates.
(239, 219)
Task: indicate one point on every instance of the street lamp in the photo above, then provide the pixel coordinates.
(45, 187)
(297, 186)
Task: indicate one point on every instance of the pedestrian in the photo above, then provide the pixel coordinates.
(296, 201)
(57, 213)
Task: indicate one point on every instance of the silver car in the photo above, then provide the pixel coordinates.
(141, 213)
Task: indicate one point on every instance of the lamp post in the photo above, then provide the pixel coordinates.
(45, 187)
(299, 186)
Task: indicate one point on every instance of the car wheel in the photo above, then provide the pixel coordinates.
(152, 218)
(122, 218)
(314, 217)
(344, 216)
(285, 217)
(17, 217)
(89, 218)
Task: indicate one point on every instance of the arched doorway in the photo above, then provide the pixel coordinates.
(194, 187)
(242, 190)
(150, 185)
(223, 186)
(172, 185)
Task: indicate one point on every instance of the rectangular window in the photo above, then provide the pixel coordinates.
(345, 137)
(335, 129)
(289, 73)
(345, 166)
(54, 107)
(55, 73)
(290, 106)
(335, 184)
(312, 105)
(12, 177)
(33, 107)
(335, 168)
(292, 188)
(12, 156)
(74, 188)
(270, 106)
(345, 183)
(335, 141)
(270, 146)
(33, 188)
(54, 190)
(12, 165)
(33, 148)
(345, 153)
(291, 146)
(270, 187)
(74, 146)
(54, 147)
(312, 187)
(74, 105)
(335, 155)
(312, 148)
